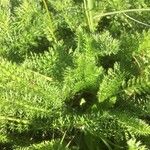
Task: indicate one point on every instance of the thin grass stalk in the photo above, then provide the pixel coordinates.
(50, 20)
(137, 21)
(88, 6)
(121, 11)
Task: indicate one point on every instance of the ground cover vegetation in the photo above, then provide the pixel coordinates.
(74, 74)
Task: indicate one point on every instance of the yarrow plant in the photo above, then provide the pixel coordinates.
(74, 75)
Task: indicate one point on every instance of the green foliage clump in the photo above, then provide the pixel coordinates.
(74, 75)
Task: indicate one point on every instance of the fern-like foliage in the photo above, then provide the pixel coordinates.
(74, 75)
(23, 99)
(133, 145)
